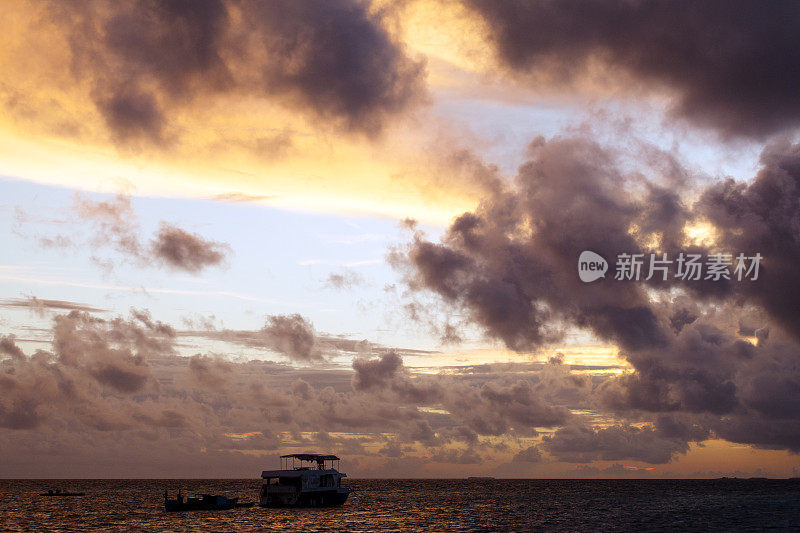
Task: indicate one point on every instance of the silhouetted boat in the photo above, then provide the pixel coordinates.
(303, 486)
(202, 502)
(58, 492)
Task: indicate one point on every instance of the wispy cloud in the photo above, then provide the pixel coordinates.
(113, 225)
(128, 288)
(39, 305)
(240, 197)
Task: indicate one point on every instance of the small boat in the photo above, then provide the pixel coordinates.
(202, 502)
(304, 486)
(58, 492)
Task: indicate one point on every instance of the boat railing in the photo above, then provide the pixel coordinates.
(323, 462)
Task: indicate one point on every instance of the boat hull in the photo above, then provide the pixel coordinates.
(318, 498)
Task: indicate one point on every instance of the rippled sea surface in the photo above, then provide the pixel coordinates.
(416, 505)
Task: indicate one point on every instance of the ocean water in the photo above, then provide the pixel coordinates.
(417, 505)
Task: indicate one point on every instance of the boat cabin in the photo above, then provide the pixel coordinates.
(304, 479)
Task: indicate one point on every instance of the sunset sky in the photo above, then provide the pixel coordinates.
(236, 229)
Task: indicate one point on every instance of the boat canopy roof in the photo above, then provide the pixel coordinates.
(311, 457)
(296, 473)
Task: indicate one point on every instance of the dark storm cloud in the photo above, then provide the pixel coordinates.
(731, 65)
(334, 57)
(125, 376)
(118, 384)
(770, 384)
(531, 454)
(769, 434)
(456, 456)
(147, 59)
(166, 419)
(175, 42)
(182, 250)
(117, 379)
(510, 267)
(582, 444)
(495, 408)
(387, 374)
(114, 352)
(764, 216)
(100, 374)
(712, 380)
(293, 336)
(9, 347)
(302, 389)
(212, 372)
(510, 264)
(709, 369)
(697, 372)
(371, 373)
(492, 405)
(91, 359)
(131, 114)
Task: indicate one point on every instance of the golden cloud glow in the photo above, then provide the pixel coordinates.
(700, 233)
(243, 436)
(223, 143)
(589, 355)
